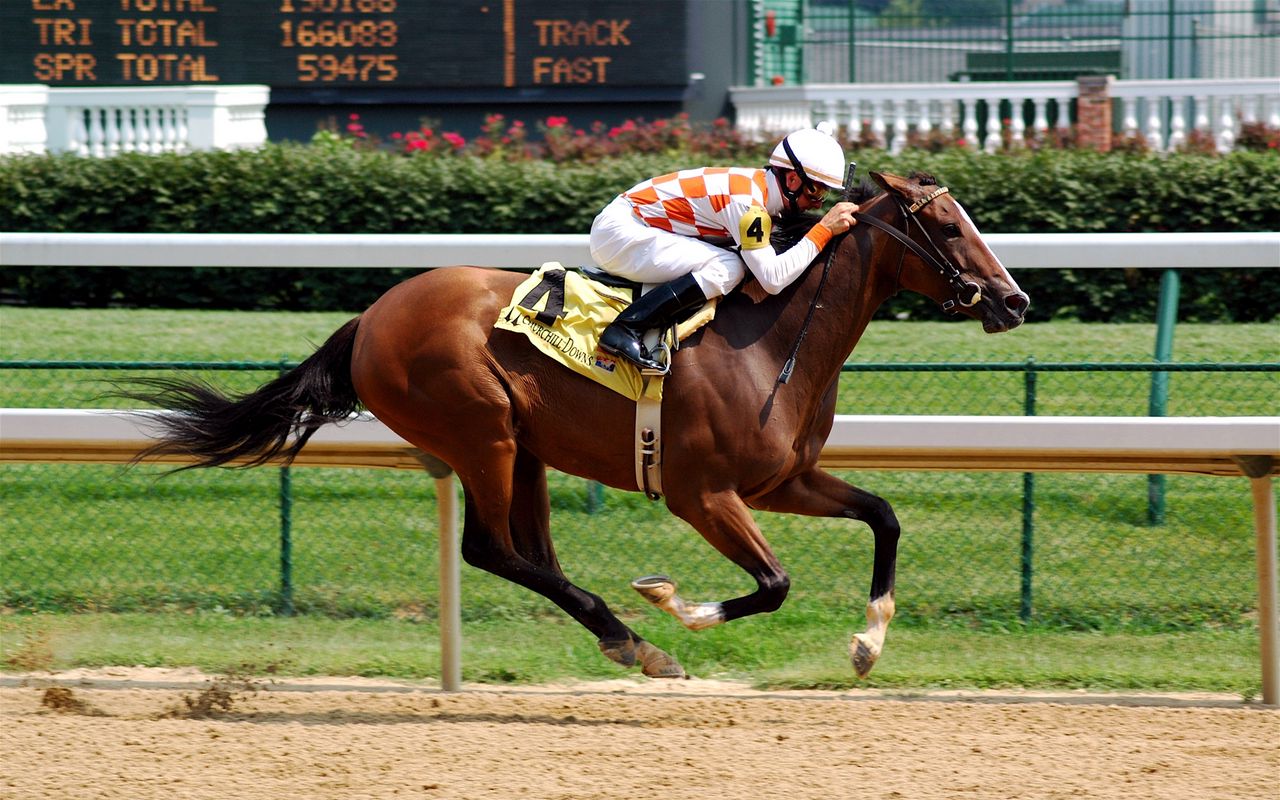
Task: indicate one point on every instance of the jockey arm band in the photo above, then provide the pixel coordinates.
(754, 228)
(819, 234)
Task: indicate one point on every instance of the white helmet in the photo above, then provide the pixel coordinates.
(818, 154)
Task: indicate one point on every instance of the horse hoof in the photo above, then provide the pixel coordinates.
(619, 651)
(657, 664)
(862, 655)
(657, 589)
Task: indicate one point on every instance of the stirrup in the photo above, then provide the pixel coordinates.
(661, 355)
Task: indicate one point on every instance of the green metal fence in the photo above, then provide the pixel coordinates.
(897, 41)
(1072, 550)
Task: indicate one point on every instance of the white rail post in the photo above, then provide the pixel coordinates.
(450, 573)
(1258, 468)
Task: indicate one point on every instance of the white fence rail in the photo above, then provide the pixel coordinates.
(1214, 108)
(521, 251)
(106, 121)
(1210, 445)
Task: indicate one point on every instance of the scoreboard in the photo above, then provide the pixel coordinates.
(300, 44)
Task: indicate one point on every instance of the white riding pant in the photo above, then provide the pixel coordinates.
(622, 245)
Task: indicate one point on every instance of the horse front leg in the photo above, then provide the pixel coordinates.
(725, 521)
(819, 494)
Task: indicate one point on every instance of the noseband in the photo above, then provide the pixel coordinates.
(967, 293)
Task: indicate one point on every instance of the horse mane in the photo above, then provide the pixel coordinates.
(791, 228)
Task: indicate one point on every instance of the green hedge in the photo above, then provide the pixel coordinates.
(304, 189)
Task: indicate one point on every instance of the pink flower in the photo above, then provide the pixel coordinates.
(557, 122)
(397, 135)
(353, 117)
(454, 139)
(417, 144)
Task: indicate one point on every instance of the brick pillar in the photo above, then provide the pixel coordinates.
(1093, 112)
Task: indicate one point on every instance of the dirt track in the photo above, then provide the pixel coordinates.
(114, 734)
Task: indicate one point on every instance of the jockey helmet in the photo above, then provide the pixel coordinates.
(814, 154)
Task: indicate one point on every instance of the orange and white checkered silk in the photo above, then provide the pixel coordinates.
(706, 203)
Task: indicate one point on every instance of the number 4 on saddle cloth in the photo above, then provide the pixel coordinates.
(563, 312)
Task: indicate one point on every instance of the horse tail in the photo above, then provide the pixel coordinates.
(275, 421)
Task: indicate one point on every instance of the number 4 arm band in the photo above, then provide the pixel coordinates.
(754, 229)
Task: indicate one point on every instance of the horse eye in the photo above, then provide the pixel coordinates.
(951, 230)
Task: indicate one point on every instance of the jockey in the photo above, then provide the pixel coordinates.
(674, 229)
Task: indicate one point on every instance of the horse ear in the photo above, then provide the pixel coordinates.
(890, 183)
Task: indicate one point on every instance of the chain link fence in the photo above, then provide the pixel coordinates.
(924, 41)
(1079, 551)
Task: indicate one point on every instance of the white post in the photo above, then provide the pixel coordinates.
(995, 127)
(899, 142)
(1040, 124)
(450, 586)
(877, 122)
(1226, 137)
(970, 124)
(1202, 125)
(1129, 124)
(1155, 125)
(1264, 516)
(1177, 123)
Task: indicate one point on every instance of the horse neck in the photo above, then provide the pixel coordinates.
(861, 277)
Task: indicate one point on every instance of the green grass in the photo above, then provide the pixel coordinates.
(1117, 603)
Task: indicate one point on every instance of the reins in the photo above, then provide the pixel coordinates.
(964, 289)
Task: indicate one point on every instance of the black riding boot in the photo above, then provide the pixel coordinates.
(655, 309)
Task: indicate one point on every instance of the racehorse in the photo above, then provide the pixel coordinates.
(747, 406)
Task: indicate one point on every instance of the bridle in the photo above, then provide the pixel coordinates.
(967, 293)
(963, 289)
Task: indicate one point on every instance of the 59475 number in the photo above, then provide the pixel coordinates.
(328, 68)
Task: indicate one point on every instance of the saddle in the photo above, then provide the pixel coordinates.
(563, 312)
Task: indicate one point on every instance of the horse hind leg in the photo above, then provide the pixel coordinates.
(527, 557)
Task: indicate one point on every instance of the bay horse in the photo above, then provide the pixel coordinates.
(426, 360)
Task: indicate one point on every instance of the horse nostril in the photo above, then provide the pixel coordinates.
(1017, 303)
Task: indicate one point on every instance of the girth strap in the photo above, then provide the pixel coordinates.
(648, 444)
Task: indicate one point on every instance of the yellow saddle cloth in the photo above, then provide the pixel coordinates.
(563, 313)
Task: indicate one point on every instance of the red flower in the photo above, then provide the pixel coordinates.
(454, 139)
(557, 122)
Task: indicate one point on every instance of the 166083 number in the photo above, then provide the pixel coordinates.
(338, 33)
(328, 68)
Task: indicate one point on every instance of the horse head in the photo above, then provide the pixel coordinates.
(947, 260)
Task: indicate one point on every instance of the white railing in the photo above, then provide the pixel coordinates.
(22, 118)
(153, 119)
(889, 112)
(524, 251)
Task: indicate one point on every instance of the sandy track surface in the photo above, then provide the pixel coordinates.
(131, 734)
